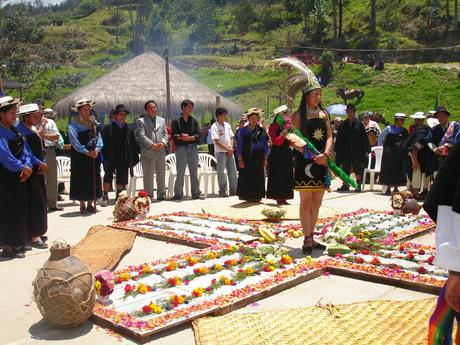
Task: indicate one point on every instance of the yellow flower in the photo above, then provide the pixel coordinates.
(146, 269)
(222, 278)
(227, 281)
(218, 267)
(272, 268)
(157, 310)
(125, 276)
(249, 270)
(98, 286)
(212, 255)
(204, 270)
(142, 288)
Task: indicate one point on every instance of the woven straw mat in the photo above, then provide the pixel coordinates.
(378, 322)
(252, 210)
(103, 247)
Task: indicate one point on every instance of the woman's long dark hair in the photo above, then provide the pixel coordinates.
(303, 109)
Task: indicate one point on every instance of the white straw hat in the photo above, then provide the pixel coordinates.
(82, 103)
(28, 109)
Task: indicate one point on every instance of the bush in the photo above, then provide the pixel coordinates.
(87, 7)
(113, 20)
(327, 67)
(230, 49)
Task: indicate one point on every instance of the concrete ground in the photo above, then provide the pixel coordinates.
(22, 322)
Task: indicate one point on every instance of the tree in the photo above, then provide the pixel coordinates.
(319, 18)
(243, 15)
(373, 23)
(139, 11)
(334, 17)
(340, 3)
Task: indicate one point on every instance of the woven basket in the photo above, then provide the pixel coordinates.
(64, 290)
(124, 209)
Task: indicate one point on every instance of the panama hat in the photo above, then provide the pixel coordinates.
(254, 111)
(28, 109)
(82, 102)
(280, 109)
(49, 112)
(7, 101)
(419, 115)
(399, 116)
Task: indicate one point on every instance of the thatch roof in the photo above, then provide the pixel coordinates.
(141, 79)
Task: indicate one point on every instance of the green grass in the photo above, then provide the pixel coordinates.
(400, 88)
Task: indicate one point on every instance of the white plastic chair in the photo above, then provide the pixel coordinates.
(378, 150)
(63, 169)
(207, 171)
(171, 163)
(137, 174)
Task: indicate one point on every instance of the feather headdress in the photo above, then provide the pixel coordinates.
(304, 79)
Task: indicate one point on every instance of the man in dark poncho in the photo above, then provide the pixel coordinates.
(352, 146)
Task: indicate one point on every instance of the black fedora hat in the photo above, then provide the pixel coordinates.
(442, 109)
(121, 108)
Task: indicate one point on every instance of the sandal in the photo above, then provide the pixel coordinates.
(39, 244)
(307, 247)
(82, 209)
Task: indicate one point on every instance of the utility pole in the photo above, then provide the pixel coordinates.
(168, 88)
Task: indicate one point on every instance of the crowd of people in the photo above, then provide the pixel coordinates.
(244, 158)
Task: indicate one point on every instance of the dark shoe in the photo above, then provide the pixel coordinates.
(196, 197)
(104, 201)
(388, 192)
(344, 188)
(223, 195)
(27, 248)
(176, 198)
(307, 247)
(358, 190)
(13, 254)
(54, 209)
(44, 238)
(82, 209)
(91, 209)
(39, 244)
(317, 245)
(60, 198)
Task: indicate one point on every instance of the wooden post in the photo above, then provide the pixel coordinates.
(2, 90)
(168, 89)
(267, 105)
(217, 102)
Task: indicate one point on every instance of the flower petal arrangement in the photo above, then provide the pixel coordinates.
(189, 228)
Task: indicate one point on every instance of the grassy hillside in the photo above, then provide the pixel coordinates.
(400, 88)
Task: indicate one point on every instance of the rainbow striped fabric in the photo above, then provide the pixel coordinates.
(442, 323)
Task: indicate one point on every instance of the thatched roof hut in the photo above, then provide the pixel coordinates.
(141, 79)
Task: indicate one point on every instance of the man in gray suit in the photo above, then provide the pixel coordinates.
(152, 136)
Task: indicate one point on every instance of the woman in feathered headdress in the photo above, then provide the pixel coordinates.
(311, 168)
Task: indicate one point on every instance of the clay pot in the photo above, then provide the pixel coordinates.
(64, 290)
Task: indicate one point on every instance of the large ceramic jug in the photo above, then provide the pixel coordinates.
(64, 289)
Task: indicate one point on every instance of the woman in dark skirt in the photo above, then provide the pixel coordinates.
(311, 170)
(392, 173)
(252, 154)
(37, 215)
(15, 170)
(86, 142)
(280, 186)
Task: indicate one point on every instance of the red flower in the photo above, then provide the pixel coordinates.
(365, 252)
(213, 281)
(402, 248)
(196, 271)
(208, 288)
(375, 261)
(135, 278)
(128, 288)
(430, 260)
(421, 252)
(338, 255)
(421, 270)
(142, 194)
(118, 280)
(146, 309)
(359, 260)
(149, 288)
(411, 256)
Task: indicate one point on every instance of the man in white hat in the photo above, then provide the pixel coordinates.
(49, 132)
(420, 155)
